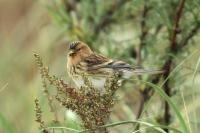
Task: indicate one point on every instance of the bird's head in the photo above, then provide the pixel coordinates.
(78, 49)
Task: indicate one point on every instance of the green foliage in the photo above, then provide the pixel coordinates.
(144, 33)
(158, 33)
(5, 125)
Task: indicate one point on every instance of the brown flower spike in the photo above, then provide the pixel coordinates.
(92, 106)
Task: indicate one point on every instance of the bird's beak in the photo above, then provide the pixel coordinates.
(71, 52)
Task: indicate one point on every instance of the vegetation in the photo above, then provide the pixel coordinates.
(152, 34)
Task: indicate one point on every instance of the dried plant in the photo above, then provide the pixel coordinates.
(93, 106)
(38, 114)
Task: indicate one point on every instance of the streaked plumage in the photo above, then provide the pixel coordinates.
(81, 59)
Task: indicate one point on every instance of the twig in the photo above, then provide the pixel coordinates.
(168, 64)
(38, 114)
(176, 25)
(158, 29)
(50, 101)
(190, 35)
(106, 19)
(144, 32)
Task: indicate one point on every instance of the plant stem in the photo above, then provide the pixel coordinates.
(168, 64)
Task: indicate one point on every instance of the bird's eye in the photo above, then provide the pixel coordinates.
(78, 49)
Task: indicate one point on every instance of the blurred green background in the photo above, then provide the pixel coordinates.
(113, 28)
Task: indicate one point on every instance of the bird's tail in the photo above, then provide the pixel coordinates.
(139, 71)
(147, 71)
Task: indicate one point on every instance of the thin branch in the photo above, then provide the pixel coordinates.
(158, 29)
(52, 106)
(144, 32)
(168, 64)
(106, 19)
(190, 35)
(176, 25)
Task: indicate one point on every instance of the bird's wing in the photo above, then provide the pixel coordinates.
(98, 64)
(117, 65)
(102, 66)
(95, 60)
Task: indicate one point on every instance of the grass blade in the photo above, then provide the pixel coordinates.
(197, 68)
(156, 127)
(64, 128)
(172, 105)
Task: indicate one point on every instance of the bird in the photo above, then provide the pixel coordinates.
(82, 60)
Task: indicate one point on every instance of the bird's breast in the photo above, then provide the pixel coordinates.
(97, 82)
(75, 73)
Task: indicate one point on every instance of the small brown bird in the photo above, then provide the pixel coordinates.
(81, 59)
